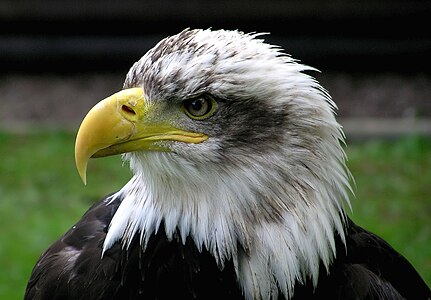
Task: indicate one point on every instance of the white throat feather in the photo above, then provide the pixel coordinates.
(217, 207)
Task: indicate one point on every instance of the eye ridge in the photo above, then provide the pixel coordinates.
(200, 107)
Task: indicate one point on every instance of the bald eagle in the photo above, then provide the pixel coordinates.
(239, 187)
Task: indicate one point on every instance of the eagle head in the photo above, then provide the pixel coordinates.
(232, 144)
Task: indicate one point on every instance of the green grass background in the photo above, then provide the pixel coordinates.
(41, 196)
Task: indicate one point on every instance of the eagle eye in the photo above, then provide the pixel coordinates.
(199, 108)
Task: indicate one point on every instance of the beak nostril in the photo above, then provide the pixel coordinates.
(128, 110)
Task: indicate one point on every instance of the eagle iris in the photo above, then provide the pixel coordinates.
(199, 108)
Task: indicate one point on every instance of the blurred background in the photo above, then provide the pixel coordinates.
(58, 58)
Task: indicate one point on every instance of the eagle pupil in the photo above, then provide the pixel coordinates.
(197, 105)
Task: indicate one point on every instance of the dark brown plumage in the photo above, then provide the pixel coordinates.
(367, 268)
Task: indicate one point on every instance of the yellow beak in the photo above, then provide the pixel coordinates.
(123, 123)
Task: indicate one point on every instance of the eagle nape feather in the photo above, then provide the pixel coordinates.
(238, 191)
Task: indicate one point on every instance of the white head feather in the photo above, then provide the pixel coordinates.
(274, 208)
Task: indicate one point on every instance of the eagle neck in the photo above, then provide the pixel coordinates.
(277, 225)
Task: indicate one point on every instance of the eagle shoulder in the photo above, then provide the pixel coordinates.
(366, 267)
(73, 264)
(74, 267)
